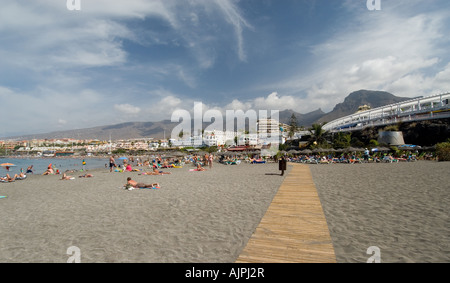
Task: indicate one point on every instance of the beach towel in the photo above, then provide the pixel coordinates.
(2, 197)
(132, 188)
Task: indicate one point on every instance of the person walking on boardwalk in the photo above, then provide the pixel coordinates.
(282, 165)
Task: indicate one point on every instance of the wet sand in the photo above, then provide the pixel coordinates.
(401, 208)
(194, 216)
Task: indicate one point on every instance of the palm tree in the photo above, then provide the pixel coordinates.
(317, 133)
(292, 126)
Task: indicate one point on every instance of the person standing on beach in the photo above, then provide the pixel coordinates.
(112, 163)
(83, 165)
(211, 159)
(366, 155)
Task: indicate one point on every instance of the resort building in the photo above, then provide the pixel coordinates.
(268, 131)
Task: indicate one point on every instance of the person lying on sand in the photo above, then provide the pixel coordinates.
(200, 168)
(8, 178)
(21, 176)
(156, 172)
(137, 185)
(86, 176)
(65, 177)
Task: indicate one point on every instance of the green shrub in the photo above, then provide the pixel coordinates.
(443, 151)
(374, 143)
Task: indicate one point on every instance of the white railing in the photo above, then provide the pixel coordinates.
(423, 108)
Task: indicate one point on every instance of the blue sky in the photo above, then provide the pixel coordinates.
(140, 60)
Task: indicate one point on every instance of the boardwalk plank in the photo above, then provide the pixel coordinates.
(294, 228)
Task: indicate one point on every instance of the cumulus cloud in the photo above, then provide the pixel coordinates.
(399, 49)
(127, 109)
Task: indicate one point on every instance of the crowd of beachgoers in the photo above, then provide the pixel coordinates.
(353, 158)
(154, 164)
(179, 215)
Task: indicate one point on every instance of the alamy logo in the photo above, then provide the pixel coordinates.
(73, 5)
(376, 254)
(374, 5)
(234, 119)
(75, 255)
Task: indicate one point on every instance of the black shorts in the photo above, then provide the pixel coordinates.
(111, 165)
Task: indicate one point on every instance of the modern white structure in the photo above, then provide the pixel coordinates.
(248, 139)
(424, 108)
(268, 131)
(218, 138)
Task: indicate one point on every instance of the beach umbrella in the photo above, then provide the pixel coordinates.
(123, 158)
(8, 165)
(306, 151)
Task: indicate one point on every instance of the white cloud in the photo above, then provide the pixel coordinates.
(127, 109)
(398, 49)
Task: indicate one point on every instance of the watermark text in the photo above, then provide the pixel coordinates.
(75, 255)
(73, 5)
(373, 5)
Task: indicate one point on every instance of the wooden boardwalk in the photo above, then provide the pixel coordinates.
(294, 228)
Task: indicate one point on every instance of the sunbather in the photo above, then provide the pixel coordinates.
(8, 178)
(156, 172)
(200, 168)
(49, 170)
(136, 185)
(86, 176)
(21, 176)
(66, 177)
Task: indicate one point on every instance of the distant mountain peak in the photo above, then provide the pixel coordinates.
(359, 98)
(158, 130)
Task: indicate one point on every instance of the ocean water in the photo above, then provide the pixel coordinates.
(40, 164)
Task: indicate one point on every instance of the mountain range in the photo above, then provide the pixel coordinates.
(163, 129)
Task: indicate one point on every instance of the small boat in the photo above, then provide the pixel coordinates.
(49, 153)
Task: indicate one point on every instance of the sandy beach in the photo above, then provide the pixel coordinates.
(194, 217)
(402, 208)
